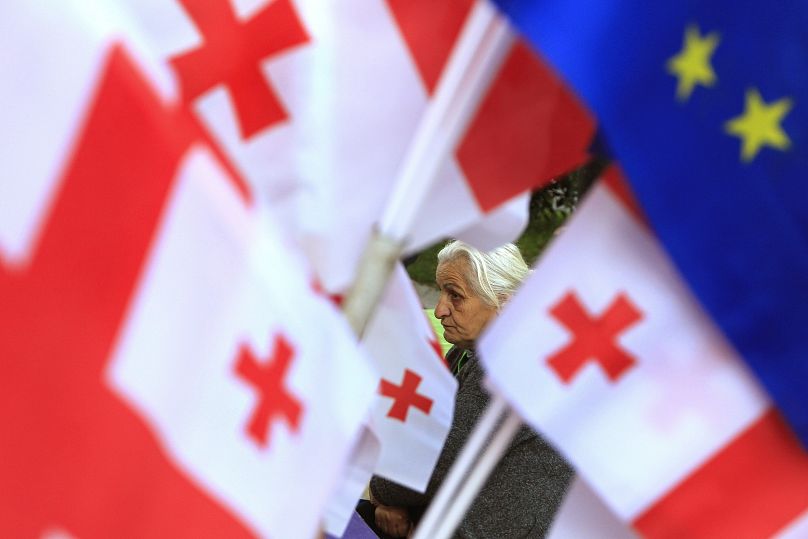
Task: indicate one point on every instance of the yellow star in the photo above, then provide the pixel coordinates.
(692, 65)
(759, 125)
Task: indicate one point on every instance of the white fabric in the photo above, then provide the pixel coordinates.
(506, 221)
(354, 99)
(582, 514)
(218, 280)
(687, 395)
(354, 480)
(398, 338)
(52, 54)
(797, 529)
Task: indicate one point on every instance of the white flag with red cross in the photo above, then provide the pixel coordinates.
(414, 406)
(168, 371)
(413, 409)
(317, 101)
(606, 352)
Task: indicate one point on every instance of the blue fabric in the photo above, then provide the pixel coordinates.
(737, 231)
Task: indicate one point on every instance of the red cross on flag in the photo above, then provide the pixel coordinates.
(412, 411)
(606, 352)
(593, 337)
(163, 355)
(317, 101)
(405, 396)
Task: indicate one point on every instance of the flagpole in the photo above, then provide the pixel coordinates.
(466, 459)
(473, 63)
(485, 40)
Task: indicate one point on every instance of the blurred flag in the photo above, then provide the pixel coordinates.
(167, 371)
(584, 514)
(605, 351)
(340, 510)
(317, 102)
(413, 409)
(415, 403)
(703, 103)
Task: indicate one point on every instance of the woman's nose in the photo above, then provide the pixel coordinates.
(441, 310)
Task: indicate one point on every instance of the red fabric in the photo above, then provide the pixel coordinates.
(528, 130)
(753, 487)
(430, 30)
(267, 379)
(594, 338)
(74, 456)
(405, 395)
(231, 54)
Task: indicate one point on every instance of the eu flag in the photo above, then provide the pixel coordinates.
(705, 105)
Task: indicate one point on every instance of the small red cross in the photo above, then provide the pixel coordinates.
(275, 401)
(405, 396)
(593, 339)
(231, 54)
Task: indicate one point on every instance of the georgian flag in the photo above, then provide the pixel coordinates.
(167, 370)
(317, 101)
(414, 405)
(606, 352)
(412, 412)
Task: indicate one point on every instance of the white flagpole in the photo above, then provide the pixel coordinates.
(473, 63)
(475, 60)
(444, 498)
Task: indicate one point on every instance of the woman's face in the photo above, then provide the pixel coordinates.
(462, 313)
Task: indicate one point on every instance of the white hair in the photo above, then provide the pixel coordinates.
(494, 275)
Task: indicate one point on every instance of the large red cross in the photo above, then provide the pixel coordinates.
(405, 396)
(593, 338)
(75, 456)
(274, 401)
(231, 54)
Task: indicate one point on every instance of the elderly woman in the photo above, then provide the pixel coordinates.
(525, 489)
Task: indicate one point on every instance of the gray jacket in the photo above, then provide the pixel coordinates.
(524, 491)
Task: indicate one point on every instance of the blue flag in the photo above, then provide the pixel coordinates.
(705, 105)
